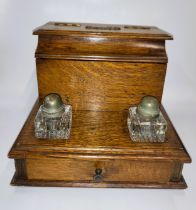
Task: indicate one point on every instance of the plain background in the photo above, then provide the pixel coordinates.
(18, 92)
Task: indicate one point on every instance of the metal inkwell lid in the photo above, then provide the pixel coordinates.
(148, 108)
(53, 106)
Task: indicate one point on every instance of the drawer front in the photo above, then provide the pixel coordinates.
(110, 170)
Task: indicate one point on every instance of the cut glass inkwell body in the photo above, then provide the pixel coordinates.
(146, 122)
(53, 119)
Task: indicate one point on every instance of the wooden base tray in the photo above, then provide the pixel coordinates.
(40, 183)
(99, 140)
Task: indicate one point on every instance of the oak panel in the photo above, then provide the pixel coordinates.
(102, 133)
(112, 170)
(100, 86)
(89, 29)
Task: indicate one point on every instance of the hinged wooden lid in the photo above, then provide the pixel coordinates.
(141, 32)
(87, 41)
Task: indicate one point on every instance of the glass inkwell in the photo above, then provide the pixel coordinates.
(53, 119)
(146, 122)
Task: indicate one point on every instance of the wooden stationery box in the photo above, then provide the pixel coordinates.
(101, 70)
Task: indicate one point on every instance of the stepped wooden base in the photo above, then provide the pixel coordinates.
(98, 141)
(170, 185)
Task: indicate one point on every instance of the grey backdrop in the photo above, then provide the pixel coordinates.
(18, 92)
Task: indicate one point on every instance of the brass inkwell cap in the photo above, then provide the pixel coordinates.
(148, 108)
(53, 106)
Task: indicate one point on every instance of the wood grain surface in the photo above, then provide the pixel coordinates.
(133, 31)
(98, 134)
(112, 170)
(80, 41)
(16, 181)
(99, 48)
(104, 86)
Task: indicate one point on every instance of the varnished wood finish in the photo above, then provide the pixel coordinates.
(177, 171)
(101, 67)
(94, 85)
(102, 133)
(89, 29)
(101, 42)
(112, 170)
(101, 70)
(101, 48)
(44, 183)
(20, 165)
(100, 139)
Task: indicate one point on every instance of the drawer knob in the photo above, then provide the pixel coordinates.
(98, 175)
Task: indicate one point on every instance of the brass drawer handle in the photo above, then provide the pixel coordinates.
(98, 175)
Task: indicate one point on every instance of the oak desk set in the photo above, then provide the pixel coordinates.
(100, 70)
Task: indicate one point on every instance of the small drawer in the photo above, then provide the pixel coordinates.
(105, 170)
